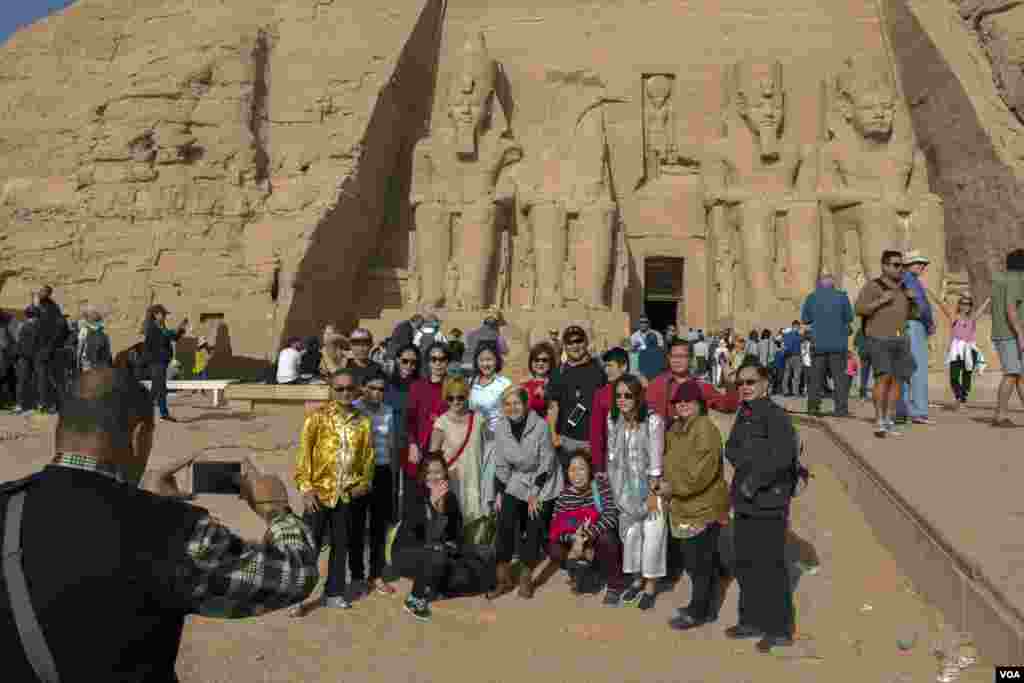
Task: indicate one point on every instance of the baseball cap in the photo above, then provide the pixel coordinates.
(687, 391)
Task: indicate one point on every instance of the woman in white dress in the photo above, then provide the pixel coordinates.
(485, 392)
(458, 435)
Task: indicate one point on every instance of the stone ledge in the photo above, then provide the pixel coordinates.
(946, 575)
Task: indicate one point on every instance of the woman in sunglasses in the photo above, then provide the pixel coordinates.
(458, 435)
(636, 444)
(425, 404)
(762, 448)
(542, 362)
(963, 354)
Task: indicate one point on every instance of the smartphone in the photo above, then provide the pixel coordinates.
(217, 477)
(576, 416)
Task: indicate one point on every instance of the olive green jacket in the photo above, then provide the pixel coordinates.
(693, 477)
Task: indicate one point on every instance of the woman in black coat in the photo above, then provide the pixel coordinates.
(763, 449)
(158, 351)
(428, 547)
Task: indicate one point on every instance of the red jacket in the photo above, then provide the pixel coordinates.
(535, 387)
(599, 428)
(659, 395)
(425, 405)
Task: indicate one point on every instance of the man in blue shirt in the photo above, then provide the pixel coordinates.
(914, 402)
(829, 313)
(791, 340)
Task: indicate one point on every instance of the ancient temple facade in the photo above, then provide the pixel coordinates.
(575, 162)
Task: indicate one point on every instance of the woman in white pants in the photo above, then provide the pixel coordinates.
(636, 443)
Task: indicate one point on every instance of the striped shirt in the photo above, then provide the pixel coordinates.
(570, 500)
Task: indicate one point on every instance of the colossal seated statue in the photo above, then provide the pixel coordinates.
(455, 173)
(874, 178)
(758, 187)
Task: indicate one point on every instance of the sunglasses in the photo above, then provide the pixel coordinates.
(627, 395)
(347, 389)
(457, 397)
(748, 382)
(895, 265)
(573, 342)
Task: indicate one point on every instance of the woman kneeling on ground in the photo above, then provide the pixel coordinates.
(698, 500)
(585, 530)
(428, 547)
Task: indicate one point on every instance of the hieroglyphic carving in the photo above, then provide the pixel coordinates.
(874, 178)
(621, 280)
(663, 153)
(412, 278)
(503, 289)
(455, 173)
(451, 290)
(754, 177)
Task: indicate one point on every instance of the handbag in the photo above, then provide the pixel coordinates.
(568, 521)
(481, 531)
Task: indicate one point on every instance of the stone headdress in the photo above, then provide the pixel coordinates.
(860, 74)
(753, 73)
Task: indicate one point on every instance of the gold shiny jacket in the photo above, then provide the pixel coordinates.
(335, 454)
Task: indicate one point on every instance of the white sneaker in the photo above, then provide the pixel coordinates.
(337, 602)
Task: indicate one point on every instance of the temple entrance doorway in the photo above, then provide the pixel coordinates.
(663, 290)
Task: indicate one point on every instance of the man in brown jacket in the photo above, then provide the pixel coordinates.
(885, 306)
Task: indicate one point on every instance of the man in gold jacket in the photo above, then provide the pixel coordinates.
(334, 466)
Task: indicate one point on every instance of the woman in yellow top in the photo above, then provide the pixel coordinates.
(334, 466)
(199, 369)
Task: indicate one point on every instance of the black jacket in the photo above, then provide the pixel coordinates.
(95, 351)
(414, 529)
(401, 336)
(27, 338)
(158, 346)
(120, 555)
(53, 328)
(763, 447)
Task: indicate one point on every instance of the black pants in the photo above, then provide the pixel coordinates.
(513, 520)
(158, 388)
(377, 503)
(700, 560)
(835, 363)
(766, 595)
(960, 380)
(333, 521)
(26, 388)
(45, 381)
(9, 380)
(427, 568)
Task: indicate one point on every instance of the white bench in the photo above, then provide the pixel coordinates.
(217, 386)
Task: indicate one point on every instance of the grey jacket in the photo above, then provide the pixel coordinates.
(521, 465)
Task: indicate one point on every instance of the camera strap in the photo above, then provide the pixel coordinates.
(32, 639)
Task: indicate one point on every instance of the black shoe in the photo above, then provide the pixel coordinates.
(631, 594)
(742, 631)
(646, 601)
(683, 621)
(845, 413)
(768, 642)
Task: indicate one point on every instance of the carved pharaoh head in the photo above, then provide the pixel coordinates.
(658, 90)
(760, 100)
(472, 95)
(867, 97)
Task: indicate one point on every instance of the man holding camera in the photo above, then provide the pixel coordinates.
(333, 469)
(570, 395)
(140, 560)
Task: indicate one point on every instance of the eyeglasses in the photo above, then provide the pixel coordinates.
(542, 360)
(438, 359)
(457, 397)
(626, 395)
(346, 389)
(375, 387)
(407, 361)
(748, 382)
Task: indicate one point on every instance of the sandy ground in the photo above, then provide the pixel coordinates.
(850, 614)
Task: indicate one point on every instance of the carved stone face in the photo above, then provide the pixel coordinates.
(871, 114)
(762, 106)
(659, 89)
(467, 109)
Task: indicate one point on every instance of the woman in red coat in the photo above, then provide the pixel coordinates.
(542, 361)
(425, 404)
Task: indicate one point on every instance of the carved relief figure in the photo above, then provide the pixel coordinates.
(874, 180)
(662, 153)
(592, 201)
(455, 172)
(548, 228)
(412, 291)
(758, 183)
(451, 290)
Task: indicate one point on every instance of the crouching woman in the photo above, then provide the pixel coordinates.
(584, 531)
(428, 546)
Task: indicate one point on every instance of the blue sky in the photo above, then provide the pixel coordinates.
(17, 13)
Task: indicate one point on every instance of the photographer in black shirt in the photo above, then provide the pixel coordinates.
(570, 395)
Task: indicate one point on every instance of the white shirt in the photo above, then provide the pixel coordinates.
(700, 349)
(288, 365)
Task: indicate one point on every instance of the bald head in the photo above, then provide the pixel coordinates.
(105, 405)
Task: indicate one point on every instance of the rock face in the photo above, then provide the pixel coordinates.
(272, 166)
(230, 160)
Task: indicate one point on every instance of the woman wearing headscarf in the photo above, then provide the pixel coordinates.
(528, 479)
(698, 501)
(636, 444)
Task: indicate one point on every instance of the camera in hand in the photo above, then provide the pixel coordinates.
(217, 477)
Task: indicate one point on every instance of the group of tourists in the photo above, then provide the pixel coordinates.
(582, 467)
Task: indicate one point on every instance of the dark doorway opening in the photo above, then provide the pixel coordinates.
(663, 290)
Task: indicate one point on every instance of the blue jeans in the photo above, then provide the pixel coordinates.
(914, 400)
